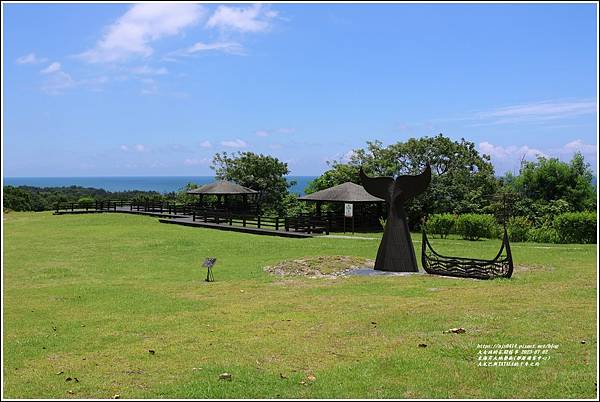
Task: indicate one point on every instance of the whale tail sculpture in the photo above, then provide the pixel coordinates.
(396, 251)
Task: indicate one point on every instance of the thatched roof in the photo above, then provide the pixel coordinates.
(347, 192)
(222, 187)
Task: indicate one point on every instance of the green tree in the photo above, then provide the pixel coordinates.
(17, 199)
(181, 195)
(338, 173)
(263, 173)
(28, 198)
(549, 179)
(462, 179)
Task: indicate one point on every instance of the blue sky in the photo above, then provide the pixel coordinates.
(157, 89)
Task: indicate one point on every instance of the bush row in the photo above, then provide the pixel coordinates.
(570, 227)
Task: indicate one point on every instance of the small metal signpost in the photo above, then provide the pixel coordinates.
(208, 263)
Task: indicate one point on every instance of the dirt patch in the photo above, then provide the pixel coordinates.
(529, 268)
(330, 266)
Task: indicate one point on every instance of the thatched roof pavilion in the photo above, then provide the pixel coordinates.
(222, 187)
(348, 193)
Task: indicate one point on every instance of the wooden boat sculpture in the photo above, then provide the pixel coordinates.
(500, 267)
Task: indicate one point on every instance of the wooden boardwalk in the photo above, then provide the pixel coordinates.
(235, 228)
(123, 210)
(187, 220)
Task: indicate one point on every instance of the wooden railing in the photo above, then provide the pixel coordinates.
(105, 205)
(302, 222)
(169, 207)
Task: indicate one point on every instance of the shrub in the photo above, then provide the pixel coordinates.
(86, 201)
(292, 206)
(518, 227)
(576, 227)
(382, 222)
(441, 224)
(475, 226)
(545, 234)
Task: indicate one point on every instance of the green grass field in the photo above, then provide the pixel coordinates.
(87, 297)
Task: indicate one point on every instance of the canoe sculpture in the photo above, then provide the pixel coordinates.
(500, 267)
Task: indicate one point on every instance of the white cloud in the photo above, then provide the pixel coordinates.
(510, 152)
(136, 147)
(347, 156)
(266, 133)
(509, 158)
(146, 70)
(52, 68)
(142, 24)
(205, 144)
(57, 80)
(536, 112)
(31, 58)
(579, 145)
(255, 18)
(343, 157)
(237, 143)
(227, 47)
(195, 162)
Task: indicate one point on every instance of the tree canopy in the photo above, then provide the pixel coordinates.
(263, 173)
(462, 179)
(549, 179)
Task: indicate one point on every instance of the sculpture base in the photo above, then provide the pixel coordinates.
(372, 272)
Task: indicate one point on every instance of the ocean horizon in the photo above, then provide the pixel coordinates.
(161, 184)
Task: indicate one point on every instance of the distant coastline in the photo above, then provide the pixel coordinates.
(161, 184)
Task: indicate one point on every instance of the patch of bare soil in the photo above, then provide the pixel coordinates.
(330, 266)
(528, 268)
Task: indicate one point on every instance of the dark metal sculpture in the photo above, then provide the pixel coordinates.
(500, 267)
(396, 252)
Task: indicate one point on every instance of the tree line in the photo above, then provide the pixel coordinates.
(29, 198)
(463, 182)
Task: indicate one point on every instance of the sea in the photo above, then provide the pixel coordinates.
(162, 184)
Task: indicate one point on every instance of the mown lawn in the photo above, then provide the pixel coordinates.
(87, 297)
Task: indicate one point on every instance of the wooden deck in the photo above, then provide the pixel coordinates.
(187, 220)
(235, 228)
(123, 210)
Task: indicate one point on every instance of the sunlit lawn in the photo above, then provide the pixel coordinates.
(88, 296)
